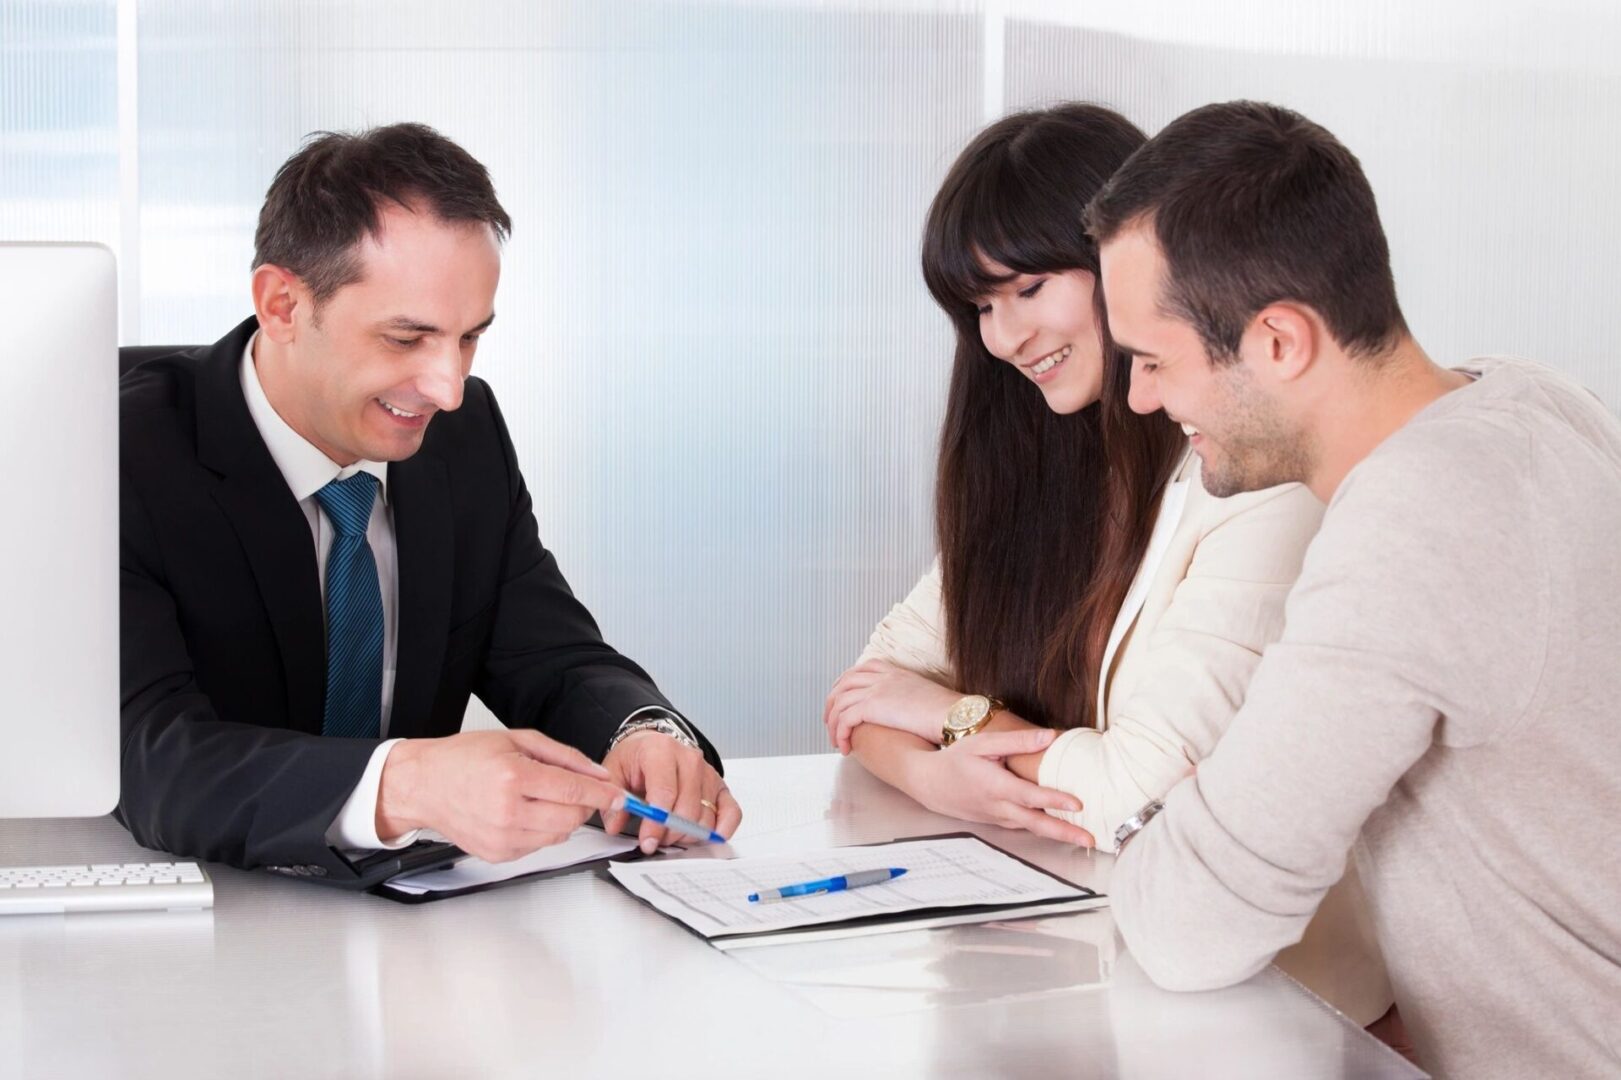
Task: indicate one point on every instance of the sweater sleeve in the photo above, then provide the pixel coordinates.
(1420, 617)
(1196, 663)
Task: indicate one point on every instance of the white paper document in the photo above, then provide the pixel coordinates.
(711, 896)
(584, 845)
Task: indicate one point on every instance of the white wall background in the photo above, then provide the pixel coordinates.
(721, 368)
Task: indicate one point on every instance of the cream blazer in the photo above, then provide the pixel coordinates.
(1206, 601)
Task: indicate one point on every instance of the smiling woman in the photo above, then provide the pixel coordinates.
(1038, 323)
(1031, 577)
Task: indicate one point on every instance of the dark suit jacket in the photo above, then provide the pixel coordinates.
(224, 655)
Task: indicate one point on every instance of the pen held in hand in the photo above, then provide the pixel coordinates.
(827, 885)
(673, 822)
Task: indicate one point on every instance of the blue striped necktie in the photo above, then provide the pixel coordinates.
(354, 613)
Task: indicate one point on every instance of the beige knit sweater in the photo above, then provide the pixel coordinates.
(1446, 700)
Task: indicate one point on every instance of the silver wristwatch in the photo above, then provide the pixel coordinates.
(1134, 824)
(653, 720)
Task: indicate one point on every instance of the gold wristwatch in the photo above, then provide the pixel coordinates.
(967, 716)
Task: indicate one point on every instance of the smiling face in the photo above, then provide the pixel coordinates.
(362, 376)
(1242, 436)
(1044, 325)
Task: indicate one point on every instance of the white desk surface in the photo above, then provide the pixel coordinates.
(570, 977)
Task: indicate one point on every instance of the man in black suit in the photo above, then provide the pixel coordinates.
(318, 568)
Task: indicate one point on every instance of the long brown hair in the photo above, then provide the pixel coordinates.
(1041, 519)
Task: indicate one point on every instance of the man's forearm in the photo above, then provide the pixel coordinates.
(1233, 868)
(1188, 928)
(236, 793)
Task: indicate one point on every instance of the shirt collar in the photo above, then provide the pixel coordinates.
(305, 468)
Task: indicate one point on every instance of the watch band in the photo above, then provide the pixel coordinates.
(653, 718)
(1134, 824)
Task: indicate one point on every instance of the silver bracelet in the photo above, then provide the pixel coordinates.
(662, 723)
(1134, 824)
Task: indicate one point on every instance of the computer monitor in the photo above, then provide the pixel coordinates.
(59, 690)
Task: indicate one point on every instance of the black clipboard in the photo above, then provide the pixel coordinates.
(376, 867)
(1023, 910)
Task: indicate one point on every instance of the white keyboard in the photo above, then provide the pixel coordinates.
(153, 886)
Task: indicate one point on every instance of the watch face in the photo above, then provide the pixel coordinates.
(968, 712)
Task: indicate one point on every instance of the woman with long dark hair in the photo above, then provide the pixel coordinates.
(1094, 616)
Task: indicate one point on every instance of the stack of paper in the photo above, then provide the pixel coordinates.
(584, 845)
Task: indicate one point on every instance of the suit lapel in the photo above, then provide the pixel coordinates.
(273, 531)
(419, 491)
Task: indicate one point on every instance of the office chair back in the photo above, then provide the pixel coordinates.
(130, 355)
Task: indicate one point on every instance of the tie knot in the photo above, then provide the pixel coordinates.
(348, 503)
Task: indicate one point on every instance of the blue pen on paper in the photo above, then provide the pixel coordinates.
(674, 822)
(827, 885)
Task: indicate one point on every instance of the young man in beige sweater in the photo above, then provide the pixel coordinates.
(1444, 701)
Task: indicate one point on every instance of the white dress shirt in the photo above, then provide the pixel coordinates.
(307, 470)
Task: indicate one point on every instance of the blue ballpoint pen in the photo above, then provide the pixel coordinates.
(674, 822)
(827, 885)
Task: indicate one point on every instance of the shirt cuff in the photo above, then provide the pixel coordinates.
(355, 827)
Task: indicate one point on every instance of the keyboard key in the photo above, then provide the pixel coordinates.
(129, 886)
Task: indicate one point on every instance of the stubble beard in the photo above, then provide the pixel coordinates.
(1252, 467)
(1259, 448)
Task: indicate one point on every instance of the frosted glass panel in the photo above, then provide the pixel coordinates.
(715, 351)
(58, 121)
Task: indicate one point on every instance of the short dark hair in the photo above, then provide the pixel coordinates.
(324, 199)
(1252, 204)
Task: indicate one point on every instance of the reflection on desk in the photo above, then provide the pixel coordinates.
(284, 978)
(916, 970)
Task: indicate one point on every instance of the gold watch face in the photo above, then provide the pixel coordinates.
(967, 712)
